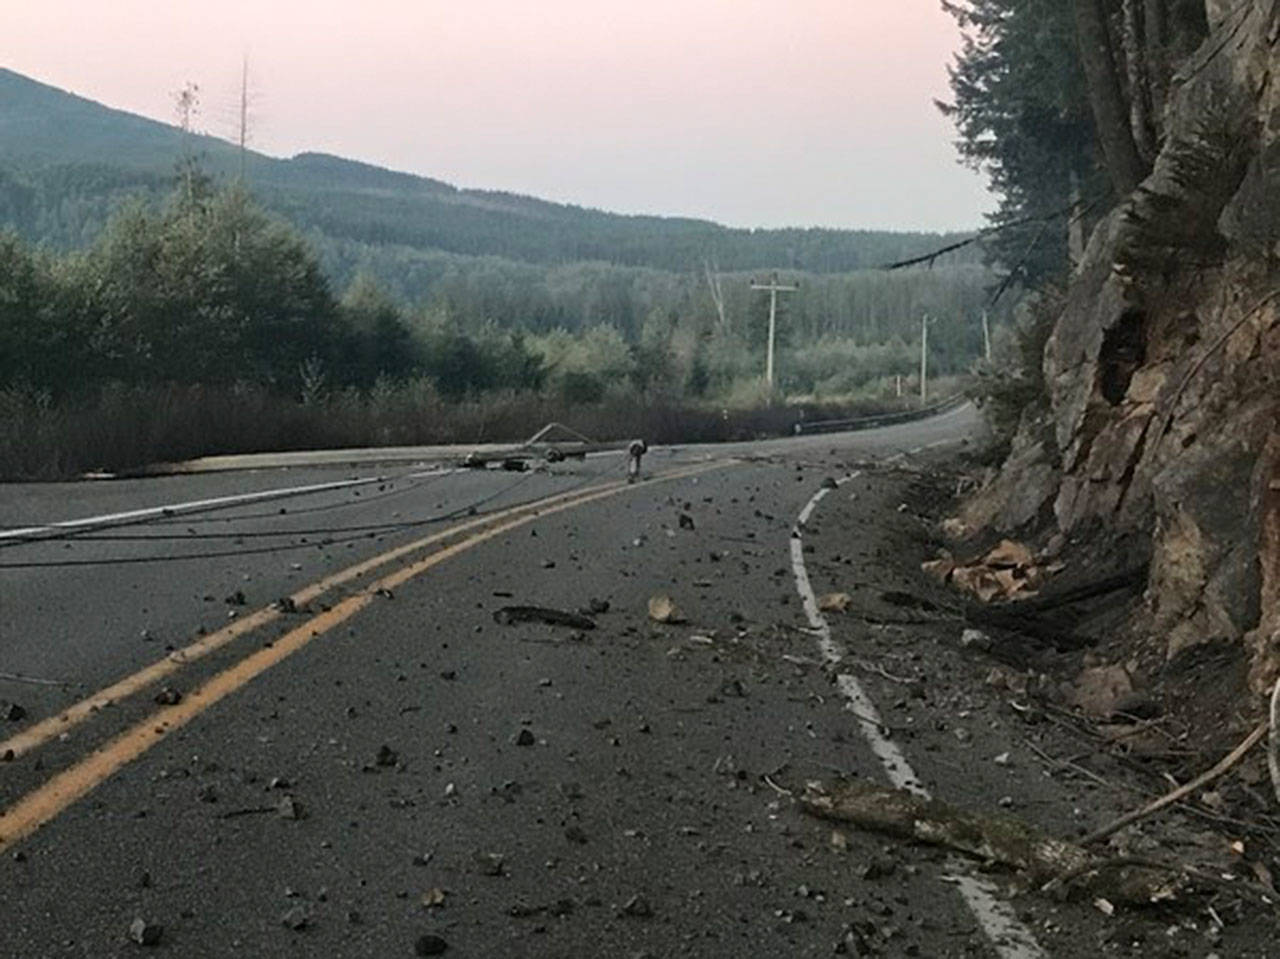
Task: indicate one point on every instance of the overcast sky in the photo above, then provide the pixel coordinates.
(749, 112)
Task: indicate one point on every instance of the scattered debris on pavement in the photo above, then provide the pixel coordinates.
(663, 609)
(835, 602)
(145, 933)
(429, 945)
(433, 898)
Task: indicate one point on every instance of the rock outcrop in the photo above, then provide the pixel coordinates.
(1163, 368)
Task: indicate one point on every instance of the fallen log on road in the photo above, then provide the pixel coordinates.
(1047, 861)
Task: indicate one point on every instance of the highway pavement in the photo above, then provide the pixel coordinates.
(281, 711)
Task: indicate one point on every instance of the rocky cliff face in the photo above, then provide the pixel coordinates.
(1164, 365)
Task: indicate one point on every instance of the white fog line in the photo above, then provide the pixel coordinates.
(1010, 938)
(177, 509)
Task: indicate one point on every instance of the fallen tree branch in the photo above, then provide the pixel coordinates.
(1168, 799)
(540, 614)
(1273, 743)
(1077, 209)
(881, 671)
(1047, 861)
(905, 815)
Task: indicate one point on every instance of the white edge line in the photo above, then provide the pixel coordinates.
(1010, 938)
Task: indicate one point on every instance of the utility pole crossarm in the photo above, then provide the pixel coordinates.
(774, 287)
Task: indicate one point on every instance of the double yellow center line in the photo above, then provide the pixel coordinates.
(45, 802)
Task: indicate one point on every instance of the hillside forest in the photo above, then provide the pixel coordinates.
(176, 263)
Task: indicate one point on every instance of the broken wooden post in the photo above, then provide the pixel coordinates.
(635, 450)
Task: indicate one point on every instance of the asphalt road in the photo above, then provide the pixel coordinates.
(233, 733)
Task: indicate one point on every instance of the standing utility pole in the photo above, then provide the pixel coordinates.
(986, 336)
(244, 110)
(924, 359)
(774, 289)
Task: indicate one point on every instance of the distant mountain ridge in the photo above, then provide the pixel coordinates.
(65, 161)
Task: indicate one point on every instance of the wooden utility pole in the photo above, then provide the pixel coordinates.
(244, 111)
(986, 336)
(187, 101)
(774, 288)
(924, 359)
(717, 294)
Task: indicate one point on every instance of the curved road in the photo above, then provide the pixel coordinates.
(293, 724)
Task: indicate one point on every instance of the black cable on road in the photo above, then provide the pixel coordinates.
(471, 509)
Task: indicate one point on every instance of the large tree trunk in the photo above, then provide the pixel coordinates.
(1135, 58)
(1110, 112)
(1156, 41)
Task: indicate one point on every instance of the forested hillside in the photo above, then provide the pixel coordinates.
(153, 258)
(64, 160)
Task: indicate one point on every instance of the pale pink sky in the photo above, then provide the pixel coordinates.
(749, 112)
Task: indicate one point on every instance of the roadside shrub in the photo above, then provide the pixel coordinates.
(1012, 384)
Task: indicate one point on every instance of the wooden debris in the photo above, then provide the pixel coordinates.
(1009, 570)
(540, 614)
(1170, 798)
(1050, 863)
(1273, 743)
(835, 602)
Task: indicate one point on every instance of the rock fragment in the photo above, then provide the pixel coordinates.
(835, 602)
(289, 808)
(637, 907)
(433, 898)
(429, 945)
(663, 609)
(145, 933)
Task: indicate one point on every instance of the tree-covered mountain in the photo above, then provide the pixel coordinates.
(65, 161)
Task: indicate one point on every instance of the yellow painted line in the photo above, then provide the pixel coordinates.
(45, 802)
(39, 733)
